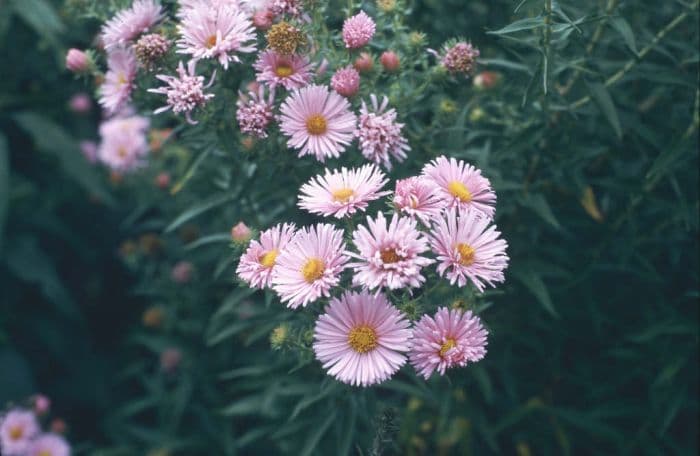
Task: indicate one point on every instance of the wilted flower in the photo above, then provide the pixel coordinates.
(257, 264)
(380, 135)
(129, 23)
(284, 38)
(185, 92)
(358, 30)
(416, 197)
(116, 90)
(123, 144)
(254, 112)
(151, 48)
(346, 81)
(17, 429)
(460, 58)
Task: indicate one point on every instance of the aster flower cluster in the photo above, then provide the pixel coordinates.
(442, 217)
(21, 431)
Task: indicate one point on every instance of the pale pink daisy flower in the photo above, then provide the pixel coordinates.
(115, 91)
(389, 256)
(49, 445)
(17, 429)
(461, 185)
(361, 339)
(129, 23)
(380, 135)
(253, 6)
(468, 248)
(342, 192)
(310, 265)
(452, 338)
(219, 31)
(346, 81)
(123, 143)
(358, 30)
(185, 92)
(254, 112)
(416, 197)
(260, 258)
(289, 71)
(317, 121)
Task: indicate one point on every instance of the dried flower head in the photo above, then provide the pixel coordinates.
(151, 48)
(284, 38)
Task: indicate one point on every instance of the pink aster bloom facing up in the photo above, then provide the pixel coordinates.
(17, 429)
(346, 81)
(389, 256)
(416, 197)
(289, 71)
(460, 58)
(310, 265)
(468, 248)
(317, 121)
(116, 90)
(185, 92)
(254, 112)
(124, 144)
(452, 338)
(343, 192)
(461, 185)
(361, 339)
(49, 445)
(130, 23)
(259, 261)
(358, 30)
(380, 135)
(217, 31)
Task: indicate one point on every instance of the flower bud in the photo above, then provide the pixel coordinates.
(364, 62)
(162, 181)
(153, 317)
(486, 80)
(279, 336)
(42, 404)
(262, 20)
(170, 360)
(80, 103)
(58, 426)
(182, 272)
(241, 233)
(77, 61)
(346, 81)
(390, 61)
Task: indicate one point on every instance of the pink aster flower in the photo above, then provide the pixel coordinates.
(116, 90)
(358, 30)
(253, 6)
(468, 248)
(361, 339)
(290, 7)
(317, 121)
(218, 31)
(346, 81)
(123, 143)
(344, 192)
(17, 429)
(258, 262)
(289, 71)
(453, 338)
(310, 265)
(185, 92)
(460, 58)
(380, 135)
(389, 256)
(80, 103)
(254, 112)
(129, 23)
(49, 445)
(461, 185)
(416, 197)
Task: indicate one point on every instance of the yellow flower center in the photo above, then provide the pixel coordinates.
(390, 256)
(342, 195)
(466, 254)
(16, 432)
(362, 339)
(316, 124)
(121, 152)
(459, 190)
(283, 70)
(121, 79)
(447, 346)
(211, 41)
(313, 269)
(268, 258)
(44, 453)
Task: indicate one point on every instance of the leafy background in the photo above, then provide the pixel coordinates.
(590, 139)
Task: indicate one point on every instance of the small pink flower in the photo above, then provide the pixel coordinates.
(162, 180)
(460, 58)
(390, 61)
(129, 23)
(310, 265)
(358, 30)
(486, 80)
(346, 81)
(389, 256)
(380, 135)
(77, 61)
(361, 339)
(317, 122)
(123, 145)
(452, 338)
(461, 185)
(416, 197)
(468, 248)
(262, 20)
(257, 264)
(241, 233)
(116, 90)
(185, 92)
(289, 71)
(343, 192)
(49, 445)
(290, 7)
(80, 103)
(182, 272)
(254, 112)
(42, 404)
(17, 429)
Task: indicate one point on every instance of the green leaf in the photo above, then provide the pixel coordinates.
(602, 97)
(533, 282)
(622, 27)
(4, 185)
(520, 25)
(39, 15)
(218, 238)
(202, 207)
(538, 203)
(316, 435)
